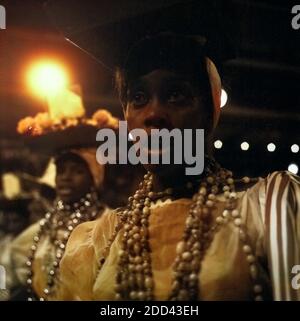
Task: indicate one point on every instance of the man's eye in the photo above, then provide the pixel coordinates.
(139, 99)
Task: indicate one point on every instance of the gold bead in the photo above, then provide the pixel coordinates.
(146, 211)
(193, 277)
(247, 249)
(183, 295)
(186, 256)
(253, 271)
(211, 197)
(202, 191)
(225, 213)
(209, 203)
(133, 295)
(242, 235)
(257, 288)
(180, 248)
(251, 258)
(149, 282)
(246, 180)
(237, 222)
(210, 180)
(141, 295)
(219, 220)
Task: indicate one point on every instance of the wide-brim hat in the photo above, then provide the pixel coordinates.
(107, 30)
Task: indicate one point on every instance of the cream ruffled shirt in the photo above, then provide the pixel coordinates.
(270, 211)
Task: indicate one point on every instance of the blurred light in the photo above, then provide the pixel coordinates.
(293, 168)
(295, 148)
(46, 77)
(218, 144)
(11, 185)
(271, 147)
(244, 146)
(224, 98)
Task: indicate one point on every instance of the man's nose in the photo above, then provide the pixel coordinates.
(157, 116)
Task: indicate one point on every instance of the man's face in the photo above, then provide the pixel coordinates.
(164, 99)
(73, 180)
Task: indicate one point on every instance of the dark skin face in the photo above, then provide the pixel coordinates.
(15, 223)
(164, 99)
(73, 181)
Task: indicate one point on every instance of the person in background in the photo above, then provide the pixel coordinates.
(36, 253)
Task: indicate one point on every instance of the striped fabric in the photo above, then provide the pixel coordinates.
(281, 218)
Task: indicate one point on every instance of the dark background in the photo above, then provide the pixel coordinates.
(252, 42)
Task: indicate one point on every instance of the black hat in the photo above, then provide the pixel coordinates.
(107, 30)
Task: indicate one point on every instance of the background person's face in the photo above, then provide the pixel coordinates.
(73, 180)
(15, 222)
(164, 99)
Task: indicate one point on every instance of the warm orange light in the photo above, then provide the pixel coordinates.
(46, 78)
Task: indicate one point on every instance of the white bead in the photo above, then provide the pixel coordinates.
(257, 288)
(242, 235)
(251, 258)
(230, 181)
(238, 222)
(186, 256)
(246, 180)
(253, 271)
(211, 197)
(226, 194)
(247, 249)
(209, 203)
(235, 213)
(219, 220)
(210, 179)
(225, 213)
(180, 248)
(133, 295)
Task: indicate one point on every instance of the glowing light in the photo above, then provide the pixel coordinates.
(218, 144)
(293, 168)
(46, 78)
(224, 98)
(271, 147)
(295, 148)
(245, 146)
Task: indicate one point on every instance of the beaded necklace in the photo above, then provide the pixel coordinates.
(134, 278)
(62, 218)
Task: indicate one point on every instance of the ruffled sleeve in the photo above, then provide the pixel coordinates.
(281, 218)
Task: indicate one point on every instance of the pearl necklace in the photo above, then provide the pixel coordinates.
(134, 278)
(66, 218)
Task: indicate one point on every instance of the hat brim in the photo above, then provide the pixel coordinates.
(106, 32)
(56, 141)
